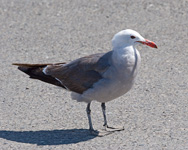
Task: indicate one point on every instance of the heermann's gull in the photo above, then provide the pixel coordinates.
(101, 77)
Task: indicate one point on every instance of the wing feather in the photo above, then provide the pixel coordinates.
(81, 74)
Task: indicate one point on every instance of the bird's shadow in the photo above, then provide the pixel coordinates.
(47, 137)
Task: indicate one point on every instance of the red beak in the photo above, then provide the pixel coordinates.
(149, 43)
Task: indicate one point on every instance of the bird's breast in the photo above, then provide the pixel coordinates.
(126, 62)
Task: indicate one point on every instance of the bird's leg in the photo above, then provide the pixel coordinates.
(104, 114)
(107, 128)
(88, 110)
(91, 129)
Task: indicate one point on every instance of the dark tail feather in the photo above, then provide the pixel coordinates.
(35, 71)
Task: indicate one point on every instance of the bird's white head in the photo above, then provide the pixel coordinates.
(130, 37)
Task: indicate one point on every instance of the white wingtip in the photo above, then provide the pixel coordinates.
(44, 70)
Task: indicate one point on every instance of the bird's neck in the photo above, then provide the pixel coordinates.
(126, 60)
(124, 56)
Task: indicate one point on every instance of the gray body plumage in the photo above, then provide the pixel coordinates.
(117, 78)
(100, 77)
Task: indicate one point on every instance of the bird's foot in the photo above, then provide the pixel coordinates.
(100, 133)
(113, 129)
(106, 131)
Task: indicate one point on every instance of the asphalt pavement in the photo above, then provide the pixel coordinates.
(36, 115)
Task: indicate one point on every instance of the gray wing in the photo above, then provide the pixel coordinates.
(81, 74)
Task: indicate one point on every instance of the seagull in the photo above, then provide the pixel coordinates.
(101, 77)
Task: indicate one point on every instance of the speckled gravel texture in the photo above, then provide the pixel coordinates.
(36, 115)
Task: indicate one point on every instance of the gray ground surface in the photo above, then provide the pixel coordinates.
(35, 115)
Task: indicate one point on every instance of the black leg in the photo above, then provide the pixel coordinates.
(107, 128)
(104, 113)
(88, 110)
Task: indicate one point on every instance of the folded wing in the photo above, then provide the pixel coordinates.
(77, 76)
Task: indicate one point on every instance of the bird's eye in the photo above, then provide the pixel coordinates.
(133, 37)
